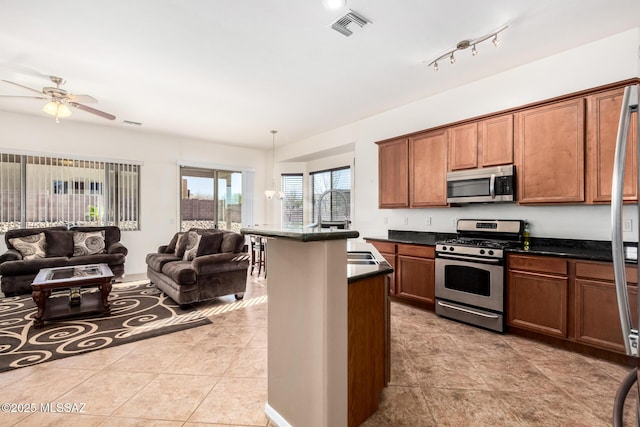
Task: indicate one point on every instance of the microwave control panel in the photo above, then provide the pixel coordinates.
(504, 185)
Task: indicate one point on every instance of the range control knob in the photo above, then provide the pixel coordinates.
(451, 248)
(481, 251)
(490, 252)
(444, 248)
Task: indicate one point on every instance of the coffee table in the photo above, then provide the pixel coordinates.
(72, 278)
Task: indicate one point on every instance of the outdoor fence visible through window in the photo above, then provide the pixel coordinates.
(42, 191)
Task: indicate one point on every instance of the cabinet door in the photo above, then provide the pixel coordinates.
(603, 117)
(597, 319)
(388, 251)
(549, 153)
(495, 136)
(428, 169)
(463, 147)
(415, 279)
(391, 259)
(538, 302)
(393, 174)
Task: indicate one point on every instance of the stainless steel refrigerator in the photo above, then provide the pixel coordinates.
(630, 334)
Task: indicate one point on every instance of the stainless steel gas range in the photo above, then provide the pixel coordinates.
(470, 276)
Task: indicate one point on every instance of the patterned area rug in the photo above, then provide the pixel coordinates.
(138, 311)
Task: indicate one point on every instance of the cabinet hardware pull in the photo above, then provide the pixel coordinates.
(490, 316)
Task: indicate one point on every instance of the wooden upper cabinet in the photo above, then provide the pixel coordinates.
(463, 147)
(393, 174)
(603, 117)
(428, 169)
(549, 153)
(495, 137)
(481, 144)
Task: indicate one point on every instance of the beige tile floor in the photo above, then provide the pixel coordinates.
(443, 373)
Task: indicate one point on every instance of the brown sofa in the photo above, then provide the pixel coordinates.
(55, 247)
(214, 266)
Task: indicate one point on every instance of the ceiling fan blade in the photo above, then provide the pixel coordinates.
(20, 96)
(86, 99)
(92, 111)
(23, 86)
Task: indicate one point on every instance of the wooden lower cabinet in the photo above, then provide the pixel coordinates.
(415, 277)
(597, 322)
(570, 299)
(538, 302)
(368, 355)
(388, 251)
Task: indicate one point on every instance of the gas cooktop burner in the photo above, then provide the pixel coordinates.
(480, 243)
(482, 238)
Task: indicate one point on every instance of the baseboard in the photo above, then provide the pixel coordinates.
(275, 417)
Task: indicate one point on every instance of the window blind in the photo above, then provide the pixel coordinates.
(42, 191)
(292, 187)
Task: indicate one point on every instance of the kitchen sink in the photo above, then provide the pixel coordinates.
(361, 258)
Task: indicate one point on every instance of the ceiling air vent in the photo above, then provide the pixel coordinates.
(349, 23)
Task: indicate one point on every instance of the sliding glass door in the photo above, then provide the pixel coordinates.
(210, 199)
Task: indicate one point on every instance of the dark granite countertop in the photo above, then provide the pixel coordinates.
(594, 250)
(300, 233)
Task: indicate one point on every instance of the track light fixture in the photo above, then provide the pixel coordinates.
(464, 44)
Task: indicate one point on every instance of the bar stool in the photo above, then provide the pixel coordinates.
(258, 254)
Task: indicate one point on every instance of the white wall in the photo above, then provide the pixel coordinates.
(605, 61)
(159, 177)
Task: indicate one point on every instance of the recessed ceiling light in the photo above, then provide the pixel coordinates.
(334, 4)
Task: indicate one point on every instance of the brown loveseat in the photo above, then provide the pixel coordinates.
(31, 249)
(200, 265)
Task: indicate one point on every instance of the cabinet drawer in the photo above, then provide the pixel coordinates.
(603, 271)
(417, 251)
(386, 247)
(535, 263)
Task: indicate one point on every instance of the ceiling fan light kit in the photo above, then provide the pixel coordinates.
(464, 44)
(57, 109)
(59, 100)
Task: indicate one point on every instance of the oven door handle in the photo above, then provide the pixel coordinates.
(464, 258)
(464, 310)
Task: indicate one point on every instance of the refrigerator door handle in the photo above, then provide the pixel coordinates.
(630, 335)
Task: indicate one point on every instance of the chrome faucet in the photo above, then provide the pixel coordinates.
(346, 209)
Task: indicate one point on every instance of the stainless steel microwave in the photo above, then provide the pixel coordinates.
(485, 185)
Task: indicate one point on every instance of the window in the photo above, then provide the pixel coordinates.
(210, 199)
(40, 191)
(333, 204)
(292, 185)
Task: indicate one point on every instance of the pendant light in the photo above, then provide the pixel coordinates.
(272, 192)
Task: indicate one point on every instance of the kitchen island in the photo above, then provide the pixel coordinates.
(327, 327)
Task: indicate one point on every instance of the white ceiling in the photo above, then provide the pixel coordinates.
(230, 71)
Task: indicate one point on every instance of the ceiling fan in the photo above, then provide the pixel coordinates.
(60, 100)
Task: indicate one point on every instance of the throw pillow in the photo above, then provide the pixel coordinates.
(59, 243)
(88, 243)
(181, 242)
(173, 244)
(30, 247)
(209, 244)
(191, 249)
